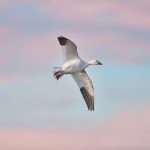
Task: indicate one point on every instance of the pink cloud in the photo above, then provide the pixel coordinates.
(10, 79)
(129, 130)
(130, 14)
(133, 15)
(40, 47)
(4, 4)
(2, 60)
(82, 16)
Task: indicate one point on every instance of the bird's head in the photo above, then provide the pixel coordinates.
(94, 62)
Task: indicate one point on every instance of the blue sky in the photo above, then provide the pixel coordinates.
(115, 32)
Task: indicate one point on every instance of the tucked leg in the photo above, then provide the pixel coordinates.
(57, 74)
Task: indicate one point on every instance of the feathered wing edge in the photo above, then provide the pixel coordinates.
(86, 88)
(88, 98)
(69, 49)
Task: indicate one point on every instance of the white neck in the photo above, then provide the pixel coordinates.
(91, 62)
(88, 63)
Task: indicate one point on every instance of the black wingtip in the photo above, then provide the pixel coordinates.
(86, 97)
(91, 109)
(62, 40)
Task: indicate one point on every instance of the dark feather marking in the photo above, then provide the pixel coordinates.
(87, 98)
(84, 96)
(62, 40)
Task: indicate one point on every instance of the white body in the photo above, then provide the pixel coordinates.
(75, 66)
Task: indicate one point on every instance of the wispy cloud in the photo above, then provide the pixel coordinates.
(129, 130)
(115, 31)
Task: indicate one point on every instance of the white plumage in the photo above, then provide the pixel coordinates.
(74, 65)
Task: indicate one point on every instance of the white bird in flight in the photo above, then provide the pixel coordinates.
(74, 65)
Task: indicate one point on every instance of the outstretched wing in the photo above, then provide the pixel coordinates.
(86, 88)
(69, 49)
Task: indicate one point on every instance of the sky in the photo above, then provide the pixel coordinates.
(38, 112)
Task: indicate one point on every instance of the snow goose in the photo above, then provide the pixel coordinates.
(74, 65)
